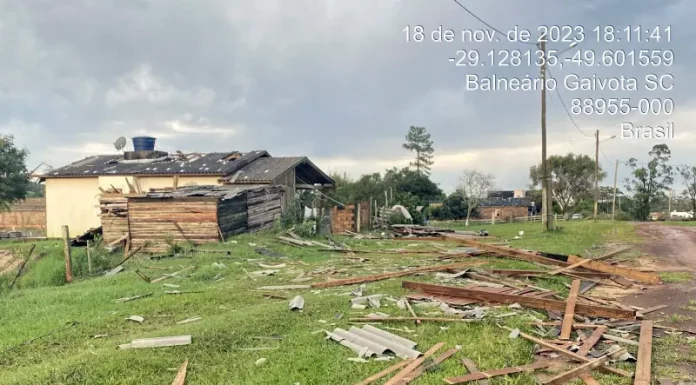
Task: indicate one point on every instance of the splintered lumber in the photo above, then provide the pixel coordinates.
(414, 364)
(619, 339)
(437, 361)
(535, 273)
(567, 327)
(613, 253)
(568, 353)
(167, 276)
(473, 369)
(285, 287)
(625, 272)
(396, 274)
(643, 312)
(588, 379)
(384, 372)
(569, 268)
(584, 368)
(180, 378)
(497, 372)
(434, 319)
(589, 343)
(509, 252)
(533, 302)
(644, 354)
(410, 309)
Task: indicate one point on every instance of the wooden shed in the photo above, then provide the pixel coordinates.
(197, 214)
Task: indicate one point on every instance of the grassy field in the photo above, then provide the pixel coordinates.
(237, 321)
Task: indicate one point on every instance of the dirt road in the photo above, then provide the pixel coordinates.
(669, 249)
(675, 246)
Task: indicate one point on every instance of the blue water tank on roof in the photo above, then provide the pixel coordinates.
(144, 143)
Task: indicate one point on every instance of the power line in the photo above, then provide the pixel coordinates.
(603, 154)
(484, 22)
(567, 111)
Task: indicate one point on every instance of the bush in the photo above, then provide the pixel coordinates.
(397, 219)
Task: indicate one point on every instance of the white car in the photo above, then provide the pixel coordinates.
(576, 216)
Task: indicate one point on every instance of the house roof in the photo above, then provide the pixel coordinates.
(223, 192)
(252, 167)
(214, 163)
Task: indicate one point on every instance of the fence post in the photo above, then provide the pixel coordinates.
(89, 259)
(68, 256)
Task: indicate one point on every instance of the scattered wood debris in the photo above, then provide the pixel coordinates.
(158, 342)
(128, 299)
(180, 378)
(495, 373)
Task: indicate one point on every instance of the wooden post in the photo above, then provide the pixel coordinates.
(386, 199)
(493, 218)
(66, 251)
(357, 217)
(89, 259)
(613, 200)
(369, 215)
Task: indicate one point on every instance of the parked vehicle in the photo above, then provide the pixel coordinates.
(576, 216)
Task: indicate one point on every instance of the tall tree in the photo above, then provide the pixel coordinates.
(572, 179)
(474, 185)
(418, 141)
(688, 175)
(13, 172)
(649, 181)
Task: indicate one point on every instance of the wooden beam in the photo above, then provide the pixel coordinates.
(588, 344)
(419, 371)
(567, 326)
(388, 319)
(633, 274)
(496, 373)
(396, 274)
(384, 372)
(414, 364)
(534, 302)
(527, 273)
(613, 253)
(644, 354)
(643, 312)
(473, 369)
(572, 355)
(588, 379)
(584, 368)
(568, 268)
(67, 254)
(508, 252)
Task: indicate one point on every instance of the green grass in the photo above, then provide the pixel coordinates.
(234, 313)
(676, 277)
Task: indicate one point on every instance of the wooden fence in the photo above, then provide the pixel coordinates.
(530, 218)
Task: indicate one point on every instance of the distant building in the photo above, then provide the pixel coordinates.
(504, 208)
(681, 214)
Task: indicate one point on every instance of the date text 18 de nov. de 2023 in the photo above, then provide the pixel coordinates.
(630, 54)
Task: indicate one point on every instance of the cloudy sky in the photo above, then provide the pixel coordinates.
(333, 80)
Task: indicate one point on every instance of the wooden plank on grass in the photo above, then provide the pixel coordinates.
(568, 353)
(508, 252)
(473, 369)
(588, 379)
(643, 312)
(180, 378)
(414, 364)
(584, 368)
(419, 371)
(589, 343)
(384, 372)
(496, 373)
(567, 326)
(569, 268)
(613, 253)
(625, 272)
(396, 274)
(534, 302)
(644, 354)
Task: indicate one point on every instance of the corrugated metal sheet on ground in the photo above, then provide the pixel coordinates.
(371, 341)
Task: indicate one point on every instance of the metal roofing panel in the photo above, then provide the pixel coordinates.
(370, 340)
(267, 169)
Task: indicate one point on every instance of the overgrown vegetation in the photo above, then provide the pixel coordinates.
(649, 180)
(13, 172)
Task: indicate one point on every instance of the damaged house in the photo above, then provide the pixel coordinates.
(79, 194)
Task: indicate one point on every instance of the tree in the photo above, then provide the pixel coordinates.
(474, 185)
(418, 140)
(688, 175)
(572, 179)
(13, 172)
(649, 181)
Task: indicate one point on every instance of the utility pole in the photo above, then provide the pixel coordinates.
(669, 205)
(613, 201)
(596, 173)
(547, 203)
